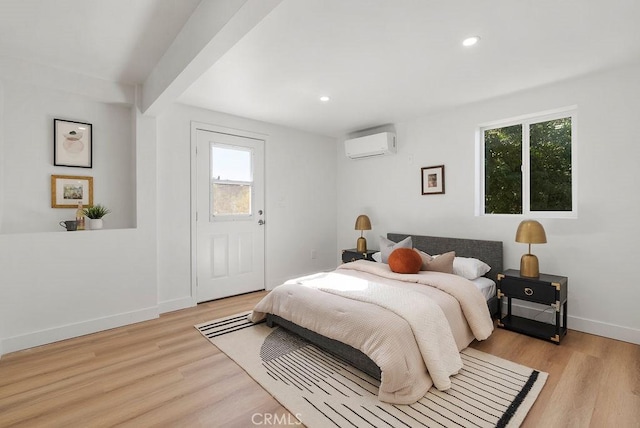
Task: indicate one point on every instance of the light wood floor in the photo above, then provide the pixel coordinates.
(164, 373)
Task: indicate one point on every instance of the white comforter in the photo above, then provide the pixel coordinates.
(411, 331)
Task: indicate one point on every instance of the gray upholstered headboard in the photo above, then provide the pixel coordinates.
(489, 252)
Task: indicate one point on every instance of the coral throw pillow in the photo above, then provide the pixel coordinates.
(405, 260)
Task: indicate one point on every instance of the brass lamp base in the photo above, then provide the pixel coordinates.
(529, 266)
(362, 245)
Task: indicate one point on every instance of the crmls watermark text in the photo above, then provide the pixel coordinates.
(270, 419)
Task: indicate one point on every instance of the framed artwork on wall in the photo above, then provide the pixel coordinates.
(72, 144)
(433, 180)
(68, 190)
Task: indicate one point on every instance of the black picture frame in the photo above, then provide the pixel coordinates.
(72, 144)
(432, 180)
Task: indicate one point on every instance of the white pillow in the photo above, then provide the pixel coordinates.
(469, 268)
(387, 246)
(377, 256)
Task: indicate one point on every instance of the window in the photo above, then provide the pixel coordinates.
(528, 166)
(231, 181)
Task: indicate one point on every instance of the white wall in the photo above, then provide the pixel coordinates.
(597, 251)
(27, 132)
(300, 178)
(3, 308)
(55, 285)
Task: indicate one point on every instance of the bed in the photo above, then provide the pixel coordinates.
(361, 356)
(488, 251)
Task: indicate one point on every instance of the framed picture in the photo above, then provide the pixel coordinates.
(433, 180)
(72, 144)
(68, 190)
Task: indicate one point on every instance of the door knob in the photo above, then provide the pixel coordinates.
(261, 222)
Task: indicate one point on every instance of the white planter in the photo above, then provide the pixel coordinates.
(95, 223)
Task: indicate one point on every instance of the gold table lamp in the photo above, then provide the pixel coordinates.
(362, 223)
(530, 232)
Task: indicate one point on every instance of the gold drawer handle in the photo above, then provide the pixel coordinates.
(528, 291)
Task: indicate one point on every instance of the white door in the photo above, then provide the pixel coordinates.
(230, 215)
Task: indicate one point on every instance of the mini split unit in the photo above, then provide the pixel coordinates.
(383, 143)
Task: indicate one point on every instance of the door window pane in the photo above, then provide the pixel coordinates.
(550, 171)
(231, 164)
(503, 175)
(231, 199)
(231, 181)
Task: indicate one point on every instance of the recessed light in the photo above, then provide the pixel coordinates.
(470, 41)
(324, 98)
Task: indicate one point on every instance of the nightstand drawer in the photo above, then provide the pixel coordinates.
(532, 291)
(352, 255)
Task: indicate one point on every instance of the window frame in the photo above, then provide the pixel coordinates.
(526, 121)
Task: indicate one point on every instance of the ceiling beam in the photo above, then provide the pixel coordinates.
(213, 29)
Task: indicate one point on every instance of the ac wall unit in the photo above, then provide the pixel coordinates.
(383, 143)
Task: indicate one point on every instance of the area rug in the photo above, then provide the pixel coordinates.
(322, 390)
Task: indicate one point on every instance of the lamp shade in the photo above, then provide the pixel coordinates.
(531, 232)
(363, 223)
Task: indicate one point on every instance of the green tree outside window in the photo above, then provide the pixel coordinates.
(550, 169)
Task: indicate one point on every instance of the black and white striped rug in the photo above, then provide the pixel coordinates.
(322, 390)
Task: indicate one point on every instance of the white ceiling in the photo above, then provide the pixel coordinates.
(384, 61)
(115, 40)
(380, 61)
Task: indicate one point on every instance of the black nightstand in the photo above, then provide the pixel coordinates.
(353, 255)
(546, 289)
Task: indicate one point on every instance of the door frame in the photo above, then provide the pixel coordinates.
(195, 127)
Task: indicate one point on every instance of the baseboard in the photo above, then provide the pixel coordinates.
(546, 314)
(176, 304)
(599, 328)
(43, 337)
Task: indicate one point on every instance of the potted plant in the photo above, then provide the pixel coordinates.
(94, 214)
